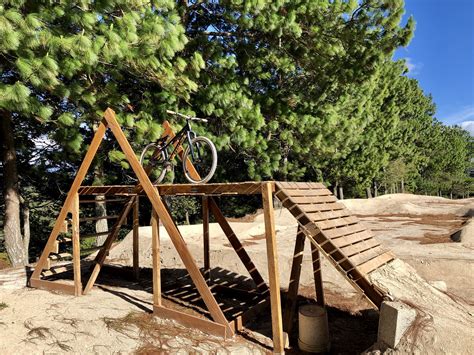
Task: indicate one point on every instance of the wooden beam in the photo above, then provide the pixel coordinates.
(155, 246)
(53, 286)
(238, 247)
(273, 274)
(168, 222)
(205, 231)
(191, 321)
(292, 296)
(81, 173)
(76, 246)
(318, 280)
(136, 241)
(211, 189)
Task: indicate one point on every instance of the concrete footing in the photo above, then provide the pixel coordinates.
(394, 320)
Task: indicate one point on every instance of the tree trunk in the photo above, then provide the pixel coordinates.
(376, 189)
(26, 231)
(403, 186)
(341, 193)
(101, 225)
(368, 192)
(12, 223)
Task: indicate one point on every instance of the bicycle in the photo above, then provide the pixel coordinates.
(199, 150)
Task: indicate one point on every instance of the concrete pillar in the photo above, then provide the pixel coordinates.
(395, 318)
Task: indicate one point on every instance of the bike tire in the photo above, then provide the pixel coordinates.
(159, 169)
(209, 148)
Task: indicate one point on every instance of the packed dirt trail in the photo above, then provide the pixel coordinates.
(416, 228)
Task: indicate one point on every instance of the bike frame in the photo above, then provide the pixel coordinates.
(186, 133)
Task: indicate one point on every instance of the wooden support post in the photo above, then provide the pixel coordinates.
(76, 246)
(318, 280)
(205, 227)
(294, 283)
(155, 246)
(273, 274)
(136, 241)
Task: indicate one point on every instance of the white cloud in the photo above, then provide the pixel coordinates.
(466, 114)
(413, 68)
(468, 126)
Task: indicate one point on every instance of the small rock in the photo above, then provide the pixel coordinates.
(440, 285)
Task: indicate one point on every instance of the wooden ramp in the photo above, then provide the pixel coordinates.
(347, 244)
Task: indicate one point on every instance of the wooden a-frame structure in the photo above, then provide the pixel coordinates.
(331, 229)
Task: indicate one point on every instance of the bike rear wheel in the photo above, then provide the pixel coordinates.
(204, 158)
(156, 163)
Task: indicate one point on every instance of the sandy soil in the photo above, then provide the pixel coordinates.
(416, 228)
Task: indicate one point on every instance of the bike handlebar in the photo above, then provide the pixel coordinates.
(187, 117)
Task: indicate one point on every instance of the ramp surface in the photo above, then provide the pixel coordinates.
(350, 247)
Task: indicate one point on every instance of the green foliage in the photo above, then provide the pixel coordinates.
(295, 90)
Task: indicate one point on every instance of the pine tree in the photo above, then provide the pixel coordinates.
(62, 63)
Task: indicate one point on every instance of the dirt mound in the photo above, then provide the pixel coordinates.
(409, 204)
(443, 325)
(466, 234)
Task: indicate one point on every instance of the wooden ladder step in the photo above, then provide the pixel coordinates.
(96, 218)
(55, 270)
(59, 256)
(94, 235)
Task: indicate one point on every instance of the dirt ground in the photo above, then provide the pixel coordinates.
(115, 316)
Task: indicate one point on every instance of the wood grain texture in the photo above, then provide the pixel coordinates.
(273, 273)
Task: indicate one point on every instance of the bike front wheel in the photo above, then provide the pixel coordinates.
(203, 155)
(153, 159)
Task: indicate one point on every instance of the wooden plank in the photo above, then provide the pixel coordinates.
(337, 222)
(95, 235)
(59, 256)
(236, 188)
(96, 218)
(136, 240)
(52, 286)
(238, 247)
(191, 321)
(307, 193)
(375, 263)
(273, 274)
(168, 222)
(293, 285)
(56, 270)
(322, 207)
(81, 173)
(109, 200)
(290, 185)
(302, 200)
(321, 216)
(352, 238)
(366, 255)
(155, 246)
(318, 279)
(76, 246)
(205, 231)
(343, 231)
(360, 247)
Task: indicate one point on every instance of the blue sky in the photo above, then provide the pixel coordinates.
(441, 56)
